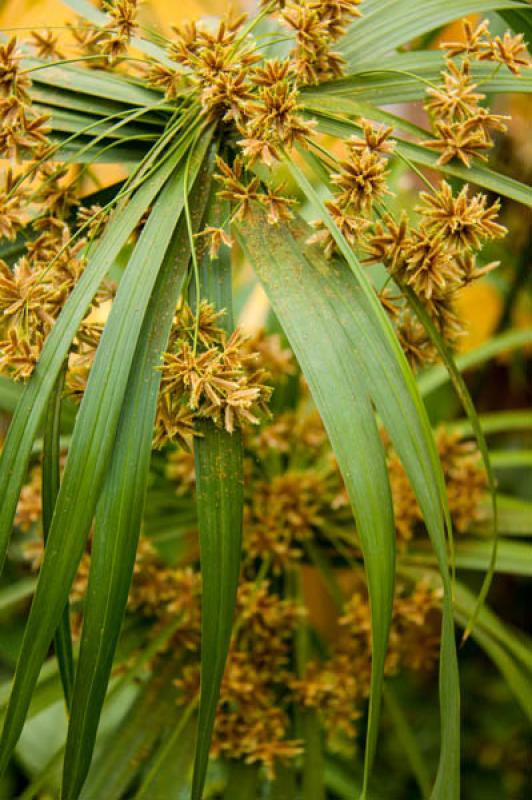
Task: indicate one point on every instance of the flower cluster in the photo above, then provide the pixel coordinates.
(318, 24)
(259, 98)
(338, 686)
(218, 382)
(294, 498)
(465, 481)
(462, 126)
(23, 130)
(436, 258)
(34, 289)
(106, 44)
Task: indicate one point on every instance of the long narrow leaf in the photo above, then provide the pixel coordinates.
(301, 301)
(91, 449)
(220, 499)
(390, 382)
(51, 459)
(119, 512)
(384, 27)
(16, 452)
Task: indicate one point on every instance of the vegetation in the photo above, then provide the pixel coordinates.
(240, 544)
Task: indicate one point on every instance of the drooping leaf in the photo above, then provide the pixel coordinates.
(16, 451)
(505, 342)
(304, 306)
(92, 446)
(120, 508)
(392, 387)
(153, 713)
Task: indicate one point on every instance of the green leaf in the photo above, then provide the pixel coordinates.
(501, 645)
(384, 27)
(402, 78)
(417, 154)
(391, 384)
(120, 509)
(520, 21)
(10, 393)
(92, 447)
(153, 714)
(169, 767)
(220, 498)
(304, 301)
(51, 460)
(15, 454)
(514, 558)
(283, 786)
(505, 342)
(15, 593)
(495, 422)
(93, 83)
(510, 459)
(515, 515)
(467, 403)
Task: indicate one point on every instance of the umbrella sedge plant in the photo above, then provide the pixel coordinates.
(308, 445)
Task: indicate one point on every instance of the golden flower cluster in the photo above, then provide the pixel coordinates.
(462, 126)
(338, 686)
(259, 98)
(317, 25)
(436, 258)
(465, 481)
(294, 496)
(218, 382)
(34, 290)
(252, 722)
(359, 184)
(23, 130)
(106, 44)
(478, 44)
(242, 189)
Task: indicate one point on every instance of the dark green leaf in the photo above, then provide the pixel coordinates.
(219, 492)
(305, 303)
(92, 446)
(120, 508)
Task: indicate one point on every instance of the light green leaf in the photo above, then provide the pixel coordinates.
(384, 26)
(312, 736)
(514, 558)
(153, 714)
(392, 387)
(408, 740)
(510, 459)
(403, 78)
(242, 781)
(501, 645)
(495, 422)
